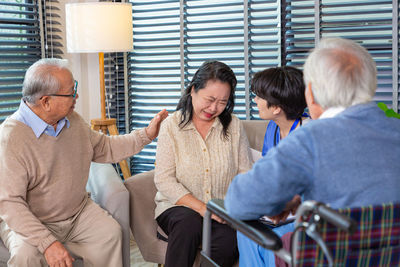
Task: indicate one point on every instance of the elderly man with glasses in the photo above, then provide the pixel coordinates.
(45, 153)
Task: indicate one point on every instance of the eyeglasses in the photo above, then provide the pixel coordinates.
(71, 95)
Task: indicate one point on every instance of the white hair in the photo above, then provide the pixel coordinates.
(342, 73)
(39, 79)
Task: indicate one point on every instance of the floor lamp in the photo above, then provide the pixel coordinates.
(100, 27)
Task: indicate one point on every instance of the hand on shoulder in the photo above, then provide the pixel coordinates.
(154, 126)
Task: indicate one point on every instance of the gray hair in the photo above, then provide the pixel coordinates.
(39, 79)
(342, 73)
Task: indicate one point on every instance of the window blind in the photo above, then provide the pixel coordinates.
(370, 23)
(264, 42)
(114, 78)
(52, 27)
(115, 89)
(19, 48)
(249, 36)
(22, 25)
(211, 30)
(214, 31)
(299, 31)
(154, 68)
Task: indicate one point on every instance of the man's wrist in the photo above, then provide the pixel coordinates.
(46, 242)
(147, 133)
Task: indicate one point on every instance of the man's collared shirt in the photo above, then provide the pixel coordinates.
(25, 115)
(331, 112)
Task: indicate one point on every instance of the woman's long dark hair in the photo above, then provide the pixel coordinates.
(209, 70)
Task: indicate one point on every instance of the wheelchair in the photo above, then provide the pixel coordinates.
(362, 236)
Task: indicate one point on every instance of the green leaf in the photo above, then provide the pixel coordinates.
(391, 114)
(382, 106)
(388, 112)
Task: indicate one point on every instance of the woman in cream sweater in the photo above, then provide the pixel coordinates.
(201, 147)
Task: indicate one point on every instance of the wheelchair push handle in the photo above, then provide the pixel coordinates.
(334, 217)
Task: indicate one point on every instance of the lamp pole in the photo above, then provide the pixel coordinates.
(102, 86)
(105, 124)
(100, 27)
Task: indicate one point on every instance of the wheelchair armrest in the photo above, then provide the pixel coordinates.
(339, 220)
(254, 230)
(330, 215)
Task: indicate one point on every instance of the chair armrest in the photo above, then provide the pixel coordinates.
(254, 230)
(107, 189)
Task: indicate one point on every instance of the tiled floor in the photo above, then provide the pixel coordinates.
(137, 259)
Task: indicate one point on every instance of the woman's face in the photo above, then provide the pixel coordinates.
(209, 102)
(265, 112)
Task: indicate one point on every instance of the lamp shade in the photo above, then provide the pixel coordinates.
(99, 27)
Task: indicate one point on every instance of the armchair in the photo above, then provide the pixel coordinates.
(106, 189)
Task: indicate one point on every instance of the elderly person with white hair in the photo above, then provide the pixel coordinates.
(346, 157)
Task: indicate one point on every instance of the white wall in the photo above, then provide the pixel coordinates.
(85, 68)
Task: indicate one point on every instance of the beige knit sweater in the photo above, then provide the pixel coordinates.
(43, 179)
(185, 163)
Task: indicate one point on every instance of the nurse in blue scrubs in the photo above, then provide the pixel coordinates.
(280, 99)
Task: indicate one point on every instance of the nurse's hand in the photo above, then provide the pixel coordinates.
(290, 208)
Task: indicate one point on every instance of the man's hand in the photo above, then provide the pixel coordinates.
(57, 256)
(154, 126)
(291, 207)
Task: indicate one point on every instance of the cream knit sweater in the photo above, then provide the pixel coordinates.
(43, 179)
(186, 163)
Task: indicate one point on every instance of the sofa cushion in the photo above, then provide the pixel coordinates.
(255, 131)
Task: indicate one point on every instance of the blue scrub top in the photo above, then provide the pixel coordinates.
(272, 134)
